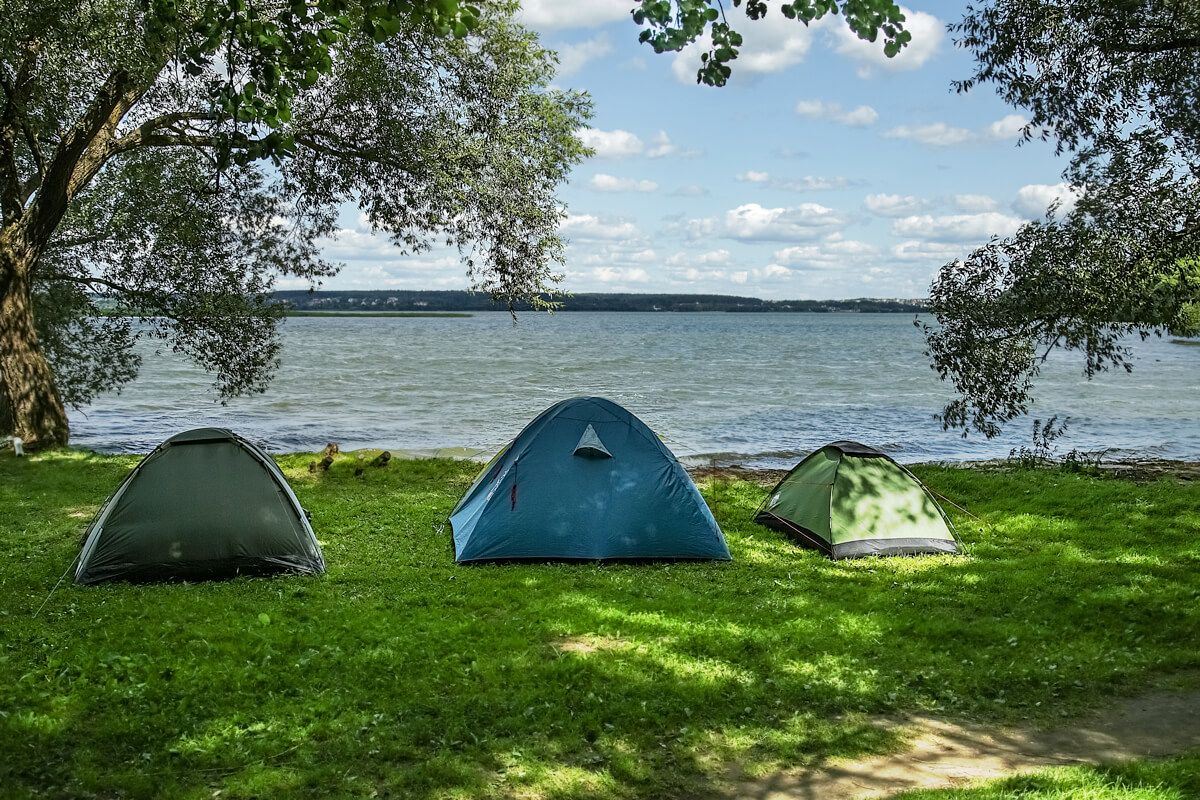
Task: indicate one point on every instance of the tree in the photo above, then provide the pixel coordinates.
(169, 159)
(674, 24)
(1116, 86)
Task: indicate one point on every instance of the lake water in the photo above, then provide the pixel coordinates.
(752, 389)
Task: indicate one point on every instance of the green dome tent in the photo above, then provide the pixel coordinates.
(849, 500)
(205, 504)
(585, 480)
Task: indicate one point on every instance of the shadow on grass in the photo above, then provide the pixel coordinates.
(401, 674)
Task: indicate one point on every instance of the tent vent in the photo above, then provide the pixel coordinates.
(590, 445)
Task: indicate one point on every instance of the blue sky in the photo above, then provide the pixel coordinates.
(823, 170)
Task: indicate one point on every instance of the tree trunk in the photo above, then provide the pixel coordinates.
(29, 399)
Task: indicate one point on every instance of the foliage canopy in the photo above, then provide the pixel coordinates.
(173, 158)
(671, 25)
(1116, 86)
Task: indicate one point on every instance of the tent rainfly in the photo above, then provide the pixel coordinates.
(850, 500)
(585, 480)
(206, 504)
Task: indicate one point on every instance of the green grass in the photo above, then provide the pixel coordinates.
(399, 674)
(1169, 779)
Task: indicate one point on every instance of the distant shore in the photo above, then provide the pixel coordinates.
(404, 300)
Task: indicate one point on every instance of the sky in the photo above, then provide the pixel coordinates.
(823, 170)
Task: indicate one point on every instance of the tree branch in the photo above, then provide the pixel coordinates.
(89, 281)
(311, 143)
(66, 244)
(100, 148)
(15, 99)
(169, 140)
(67, 171)
(12, 198)
(10, 181)
(138, 136)
(1147, 48)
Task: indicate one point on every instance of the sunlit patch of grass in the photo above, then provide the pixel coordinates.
(1168, 779)
(399, 673)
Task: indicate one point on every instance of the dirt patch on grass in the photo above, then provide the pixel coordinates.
(763, 477)
(1152, 469)
(945, 754)
(586, 644)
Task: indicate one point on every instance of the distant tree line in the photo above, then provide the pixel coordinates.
(467, 301)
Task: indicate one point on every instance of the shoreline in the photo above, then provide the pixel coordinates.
(1140, 469)
(1134, 469)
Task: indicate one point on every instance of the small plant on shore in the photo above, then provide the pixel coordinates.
(1083, 462)
(1042, 451)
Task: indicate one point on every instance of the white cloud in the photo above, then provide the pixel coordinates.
(974, 203)
(612, 253)
(962, 228)
(586, 227)
(928, 32)
(858, 118)
(753, 222)
(832, 252)
(661, 146)
(691, 275)
(939, 134)
(607, 183)
(611, 144)
(572, 57)
(619, 274)
(1008, 129)
(810, 183)
(623, 144)
(691, 190)
(776, 271)
(928, 251)
(349, 245)
(770, 274)
(547, 15)
(893, 205)
(710, 259)
(1034, 200)
(373, 262)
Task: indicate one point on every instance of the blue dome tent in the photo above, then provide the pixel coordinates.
(585, 480)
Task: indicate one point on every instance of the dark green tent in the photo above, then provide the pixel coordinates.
(205, 504)
(849, 500)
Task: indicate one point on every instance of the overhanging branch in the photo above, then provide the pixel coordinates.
(87, 280)
(145, 134)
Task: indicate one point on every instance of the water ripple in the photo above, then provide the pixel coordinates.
(750, 389)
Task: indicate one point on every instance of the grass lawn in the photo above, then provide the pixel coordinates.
(399, 674)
